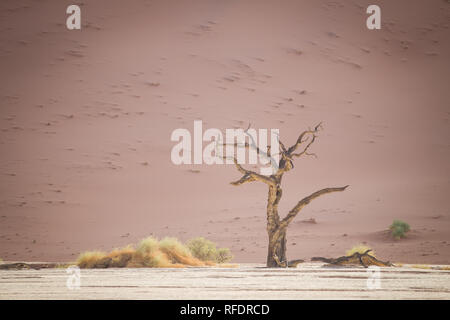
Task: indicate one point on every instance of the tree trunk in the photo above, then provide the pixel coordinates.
(277, 241)
(277, 248)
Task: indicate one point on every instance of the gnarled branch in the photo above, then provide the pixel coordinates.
(302, 203)
(300, 140)
(286, 162)
(365, 259)
(249, 176)
(252, 145)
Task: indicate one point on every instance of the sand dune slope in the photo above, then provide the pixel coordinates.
(87, 116)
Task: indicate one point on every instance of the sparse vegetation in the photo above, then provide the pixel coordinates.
(430, 267)
(206, 250)
(360, 248)
(89, 259)
(421, 266)
(399, 229)
(152, 253)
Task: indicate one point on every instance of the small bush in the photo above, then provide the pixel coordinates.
(399, 229)
(223, 255)
(360, 248)
(206, 250)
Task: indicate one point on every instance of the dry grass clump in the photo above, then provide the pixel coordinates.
(90, 259)
(206, 250)
(360, 248)
(179, 253)
(150, 253)
(147, 254)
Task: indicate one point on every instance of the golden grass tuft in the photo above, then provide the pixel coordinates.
(89, 259)
(179, 253)
(120, 257)
(149, 253)
(360, 248)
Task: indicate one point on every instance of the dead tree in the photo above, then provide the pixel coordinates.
(277, 227)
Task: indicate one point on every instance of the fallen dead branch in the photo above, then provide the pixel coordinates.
(294, 263)
(364, 259)
(28, 266)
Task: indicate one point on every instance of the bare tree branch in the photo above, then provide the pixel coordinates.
(253, 145)
(249, 176)
(302, 203)
(286, 161)
(300, 140)
(244, 179)
(305, 150)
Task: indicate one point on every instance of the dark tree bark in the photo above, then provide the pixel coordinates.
(277, 227)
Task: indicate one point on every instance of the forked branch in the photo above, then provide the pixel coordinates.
(303, 138)
(286, 162)
(252, 145)
(249, 176)
(302, 203)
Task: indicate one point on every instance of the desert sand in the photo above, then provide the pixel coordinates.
(86, 119)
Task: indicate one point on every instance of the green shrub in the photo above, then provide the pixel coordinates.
(206, 250)
(399, 229)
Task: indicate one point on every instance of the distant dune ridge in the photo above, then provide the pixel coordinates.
(87, 117)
